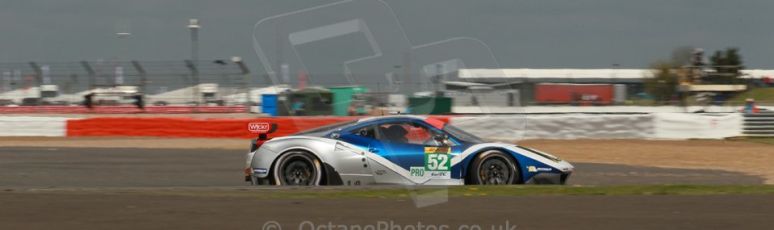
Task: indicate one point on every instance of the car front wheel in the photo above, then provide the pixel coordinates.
(493, 168)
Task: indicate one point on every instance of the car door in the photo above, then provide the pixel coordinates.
(382, 166)
(363, 137)
(412, 146)
(355, 169)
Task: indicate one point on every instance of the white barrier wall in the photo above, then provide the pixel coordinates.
(504, 128)
(565, 126)
(603, 126)
(593, 109)
(33, 126)
(706, 126)
(598, 126)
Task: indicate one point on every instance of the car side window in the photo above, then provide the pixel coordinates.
(366, 131)
(407, 133)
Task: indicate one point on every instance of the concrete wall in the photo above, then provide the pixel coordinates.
(593, 109)
(686, 125)
(33, 126)
(603, 126)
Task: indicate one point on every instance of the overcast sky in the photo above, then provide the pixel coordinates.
(521, 34)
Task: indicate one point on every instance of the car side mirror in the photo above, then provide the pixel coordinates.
(441, 138)
(335, 135)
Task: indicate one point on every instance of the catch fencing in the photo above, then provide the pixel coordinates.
(759, 125)
(184, 82)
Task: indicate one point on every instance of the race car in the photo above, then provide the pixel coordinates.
(403, 150)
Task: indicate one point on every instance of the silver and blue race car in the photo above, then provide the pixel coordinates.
(404, 150)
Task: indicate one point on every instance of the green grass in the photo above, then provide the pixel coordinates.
(641, 102)
(759, 94)
(471, 191)
(762, 140)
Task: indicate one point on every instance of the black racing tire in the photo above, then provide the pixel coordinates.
(298, 168)
(493, 168)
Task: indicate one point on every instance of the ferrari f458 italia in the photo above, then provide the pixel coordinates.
(405, 150)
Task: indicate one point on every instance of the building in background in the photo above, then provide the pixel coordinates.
(565, 86)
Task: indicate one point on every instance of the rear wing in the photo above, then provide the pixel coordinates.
(263, 129)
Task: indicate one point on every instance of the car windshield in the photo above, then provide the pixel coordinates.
(462, 135)
(321, 131)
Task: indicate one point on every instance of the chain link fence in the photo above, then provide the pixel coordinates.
(231, 83)
(221, 82)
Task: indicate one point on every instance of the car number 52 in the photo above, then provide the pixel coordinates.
(437, 162)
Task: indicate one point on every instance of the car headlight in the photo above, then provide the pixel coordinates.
(541, 153)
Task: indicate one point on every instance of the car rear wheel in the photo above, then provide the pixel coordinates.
(298, 168)
(493, 168)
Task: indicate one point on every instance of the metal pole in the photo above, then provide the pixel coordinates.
(194, 72)
(38, 81)
(123, 38)
(90, 72)
(193, 25)
(143, 76)
(437, 80)
(245, 82)
(407, 81)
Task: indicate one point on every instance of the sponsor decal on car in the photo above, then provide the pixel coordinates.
(260, 170)
(437, 150)
(259, 127)
(437, 163)
(422, 173)
(538, 169)
(437, 158)
(417, 171)
(440, 174)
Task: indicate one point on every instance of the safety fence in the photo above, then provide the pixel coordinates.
(178, 82)
(759, 125)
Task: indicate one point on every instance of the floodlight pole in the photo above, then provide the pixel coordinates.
(245, 75)
(438, 78)
(38, 73)
(123, 38)
(194, 72)
(143, 75)
(38, 77)
(193, 26)
(91, 74)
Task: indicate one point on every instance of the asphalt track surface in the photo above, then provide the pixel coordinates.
(105, 167)
(39, 189)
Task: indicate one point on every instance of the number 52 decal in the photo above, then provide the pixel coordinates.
(437, 162)
(437, 159)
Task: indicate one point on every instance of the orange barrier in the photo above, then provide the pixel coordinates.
(191, 127)
(125, 109)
